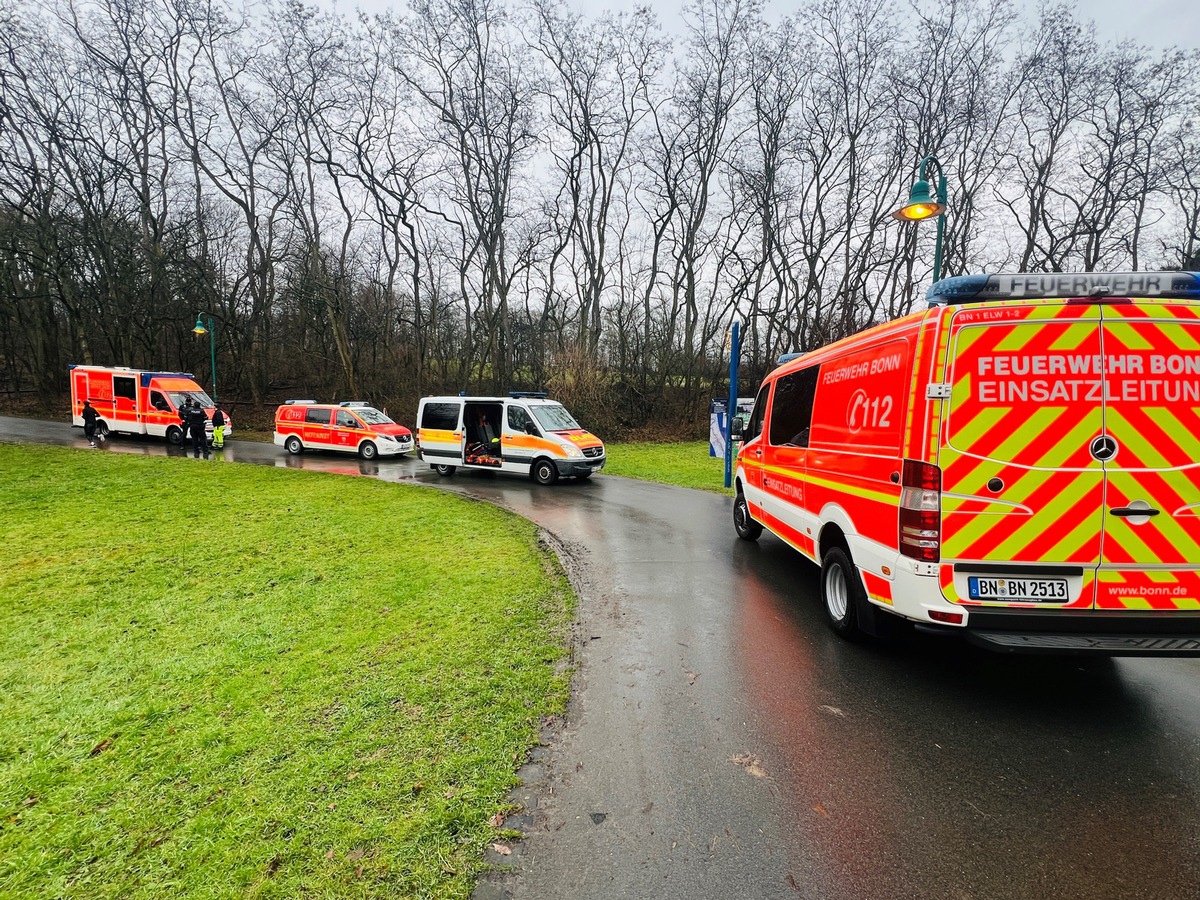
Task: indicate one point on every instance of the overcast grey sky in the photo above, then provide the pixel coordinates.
(1159, 23)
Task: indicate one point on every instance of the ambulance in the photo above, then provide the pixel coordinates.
(1019, 464)
(351, 426)
(524, 433)
(134, 401)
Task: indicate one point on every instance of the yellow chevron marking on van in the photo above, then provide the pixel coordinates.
(1017, 545)
(1171, 529)
(1072, 336)
(842, 486)
(1125, 431)
(1177, 334)
(966, 534)
(1188, 443)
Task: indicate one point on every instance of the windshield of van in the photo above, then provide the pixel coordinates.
(372, 416)
(177, 398)
(554, 418)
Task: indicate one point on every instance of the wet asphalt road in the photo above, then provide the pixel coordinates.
(722, 743)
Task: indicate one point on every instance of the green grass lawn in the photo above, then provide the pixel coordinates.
(686, 464)
(238, 681)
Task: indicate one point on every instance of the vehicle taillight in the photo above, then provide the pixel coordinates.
(921, 511)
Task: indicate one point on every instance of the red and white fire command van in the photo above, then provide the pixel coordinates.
(351, 426)
(1020, 464)
(133, 401)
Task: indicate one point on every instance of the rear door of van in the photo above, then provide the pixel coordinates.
(1150, 558)
(439, 432)
(1022, 474)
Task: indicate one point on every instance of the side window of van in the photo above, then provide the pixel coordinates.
(345, 420)
(754, 425)
(441, 416)
(159, 402)
(317, 416)
(124, 387)
(518, 419)
(791, 410)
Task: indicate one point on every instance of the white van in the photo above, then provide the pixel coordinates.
(524, 433)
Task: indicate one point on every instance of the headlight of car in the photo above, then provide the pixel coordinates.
(574, 452)
(386, 437)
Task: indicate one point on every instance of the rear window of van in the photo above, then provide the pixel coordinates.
(440, 416)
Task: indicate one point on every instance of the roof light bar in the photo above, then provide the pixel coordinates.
(1036, 285)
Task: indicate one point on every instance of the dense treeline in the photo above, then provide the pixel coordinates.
(487, 195)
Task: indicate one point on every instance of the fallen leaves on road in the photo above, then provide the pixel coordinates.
(497, 820)
(502, 849)
(833, 711)
(751, 763)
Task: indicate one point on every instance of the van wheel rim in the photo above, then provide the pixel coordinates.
(837, 599)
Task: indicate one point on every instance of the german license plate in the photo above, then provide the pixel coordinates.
(1018, 590)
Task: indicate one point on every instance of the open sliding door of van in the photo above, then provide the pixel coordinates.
(1022, 491)
(1151, 550)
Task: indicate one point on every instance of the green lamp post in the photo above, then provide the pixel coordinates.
(203, 327)
(922, 205)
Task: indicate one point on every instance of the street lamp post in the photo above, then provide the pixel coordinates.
(921, 205)
(203, 327)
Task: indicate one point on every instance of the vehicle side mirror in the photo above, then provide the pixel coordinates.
(736, 428)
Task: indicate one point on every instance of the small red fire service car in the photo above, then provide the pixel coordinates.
(351, 426)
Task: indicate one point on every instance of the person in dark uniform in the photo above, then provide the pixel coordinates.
(89, 422)
(197, 420)
(184, 408)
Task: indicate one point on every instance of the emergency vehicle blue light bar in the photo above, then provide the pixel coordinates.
(537, 395)
(1040, 285)
(787, 357)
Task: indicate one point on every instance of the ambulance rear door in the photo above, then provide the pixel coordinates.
(1151, 552)
(79, 393)
(439, 432)
(1022, 486)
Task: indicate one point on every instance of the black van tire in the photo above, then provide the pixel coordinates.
(544, 471)
(102, 430)
(293, 445)
(368, 450)
(842, 593)
(175, 435)
(443, 469)
(747, 529)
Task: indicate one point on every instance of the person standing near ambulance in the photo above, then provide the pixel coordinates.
(218, 421)
(184, 408)
(197, 421)
(89, 422)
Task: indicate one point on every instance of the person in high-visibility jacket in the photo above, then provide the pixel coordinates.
(218, 420)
